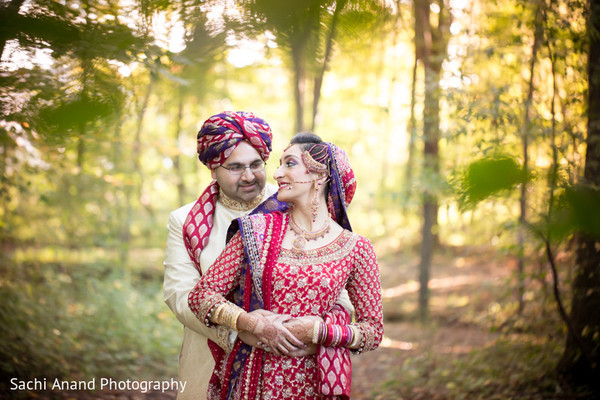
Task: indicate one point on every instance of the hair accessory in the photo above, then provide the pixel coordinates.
(312, 165)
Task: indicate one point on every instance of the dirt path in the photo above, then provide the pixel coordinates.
(463, 282)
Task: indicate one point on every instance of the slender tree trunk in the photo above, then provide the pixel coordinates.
(339, 6)
(412, 134)
(177, 158)
(580, 363)
(552, 181)
(135, 170)
(434, 42)
(299, 87)
(537, 39)
(137, 146)
(431, 135)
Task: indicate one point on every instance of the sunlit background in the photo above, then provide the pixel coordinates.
(470, 110)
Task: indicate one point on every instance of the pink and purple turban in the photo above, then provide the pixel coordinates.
(222, 133)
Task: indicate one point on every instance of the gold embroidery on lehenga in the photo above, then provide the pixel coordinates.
(336, 250)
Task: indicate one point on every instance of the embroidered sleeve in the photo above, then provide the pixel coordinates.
(218, 281)
(364, 289)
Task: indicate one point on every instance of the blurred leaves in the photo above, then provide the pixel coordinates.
(490, 176)
(575, 208)
(76, 113)
(584, 209)
(575, 211)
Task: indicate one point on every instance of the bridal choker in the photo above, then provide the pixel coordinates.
(303, 236)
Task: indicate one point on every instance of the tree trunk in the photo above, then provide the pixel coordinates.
(412, 135)
(339, 6)
(537, 39)
(299, 85)
(431, 43)
(580, 363)
(136, 169)
(177, 158)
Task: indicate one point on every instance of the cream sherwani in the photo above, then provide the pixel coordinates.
(195, 359)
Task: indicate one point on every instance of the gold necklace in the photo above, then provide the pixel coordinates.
(303, 236)
(238, 205)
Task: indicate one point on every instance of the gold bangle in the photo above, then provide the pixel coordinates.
(227, 314)
(315, 337)
(235, 317)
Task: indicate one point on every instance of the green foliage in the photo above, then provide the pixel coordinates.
(583, 206)
(575, 211)
(83, 321)
(74, 114)
(489, 176)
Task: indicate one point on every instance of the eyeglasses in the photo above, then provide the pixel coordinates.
(238, 169)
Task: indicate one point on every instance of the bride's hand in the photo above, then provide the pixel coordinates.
(302, 327)
(271, 332)
(248, 337)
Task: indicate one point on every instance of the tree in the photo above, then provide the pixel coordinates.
(431, 43)
(580, 363)
(307, 31)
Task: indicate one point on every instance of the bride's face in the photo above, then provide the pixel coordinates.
(295, 182)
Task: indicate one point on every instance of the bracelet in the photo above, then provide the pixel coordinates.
(227, 314)
(333, 335)
(211, 312)
(357, 337)
(316, 332)
(363, 341)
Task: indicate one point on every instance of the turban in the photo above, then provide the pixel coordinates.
(217, 139)
(222, 133)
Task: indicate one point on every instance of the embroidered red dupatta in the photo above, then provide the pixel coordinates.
(241, 372)
(262, 236)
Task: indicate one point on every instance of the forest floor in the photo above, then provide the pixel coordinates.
(464, 285)
(461, 282)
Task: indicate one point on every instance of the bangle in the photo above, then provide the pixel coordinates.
(227, 314)
(316, 332)
(212, 312)
(357, 337)
(235, 317)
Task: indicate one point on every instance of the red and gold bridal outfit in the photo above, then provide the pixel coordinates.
(286, 282)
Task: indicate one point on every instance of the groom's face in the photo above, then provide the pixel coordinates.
(247, 185)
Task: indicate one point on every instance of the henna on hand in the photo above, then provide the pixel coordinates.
(252, 322)
(270, 332)
(302, 327)
(276, 337)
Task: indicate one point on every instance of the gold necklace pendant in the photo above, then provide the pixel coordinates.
(303, 236)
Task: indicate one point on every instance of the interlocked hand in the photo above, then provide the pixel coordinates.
(302, 327)
(273, 335)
